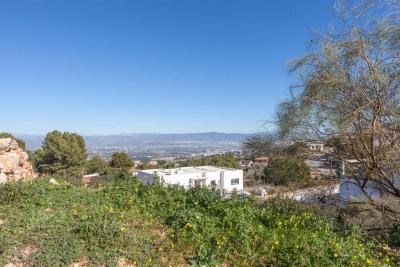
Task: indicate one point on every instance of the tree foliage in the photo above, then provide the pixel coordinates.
(285, 170)
(62, 153)
(228, 160)
(120, 160)
(97, 165)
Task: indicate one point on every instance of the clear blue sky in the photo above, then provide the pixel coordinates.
(104, 67)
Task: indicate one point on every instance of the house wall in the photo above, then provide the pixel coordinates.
(146, 178)
(226, 178)
(349, 190)
(221, 178)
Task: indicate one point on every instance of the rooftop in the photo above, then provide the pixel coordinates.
(198, 169)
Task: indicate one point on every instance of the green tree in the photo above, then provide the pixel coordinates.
(97, 165)
(21, 143)
(120, 160)
(62, 153)
(286, 170)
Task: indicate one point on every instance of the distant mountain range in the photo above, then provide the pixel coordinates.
(155, 144)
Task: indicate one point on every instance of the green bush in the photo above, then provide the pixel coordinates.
(161, 226)
(286, 170)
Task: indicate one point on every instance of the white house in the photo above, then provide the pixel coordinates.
(225, 179)
(316, 146)
(350, 188)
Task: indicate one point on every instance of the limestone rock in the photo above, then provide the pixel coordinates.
(7, 144)
(14, 164)
(3, 178)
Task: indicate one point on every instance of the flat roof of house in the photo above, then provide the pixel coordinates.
(197, 169)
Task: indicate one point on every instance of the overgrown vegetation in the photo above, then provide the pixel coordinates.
(285, 170)
(227, 160)
(120, 160)
(48, 225)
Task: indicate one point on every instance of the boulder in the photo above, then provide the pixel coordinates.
(8, 163)
(14, 164)
(8, 144)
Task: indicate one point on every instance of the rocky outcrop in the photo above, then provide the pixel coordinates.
(14, 164)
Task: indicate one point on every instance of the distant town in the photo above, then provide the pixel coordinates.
(147, 147)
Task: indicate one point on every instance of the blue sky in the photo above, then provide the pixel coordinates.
(168, 66)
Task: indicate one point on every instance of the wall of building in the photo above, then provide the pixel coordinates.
(350, 190)
(146, 178)
(222, 179)
(226, 180)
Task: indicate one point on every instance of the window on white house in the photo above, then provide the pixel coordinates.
(235, 181)
(213, 183)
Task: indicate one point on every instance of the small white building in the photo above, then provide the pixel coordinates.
(350, 189)
(222, 178)
(315, 146)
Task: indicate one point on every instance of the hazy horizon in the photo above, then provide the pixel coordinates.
(137, 133)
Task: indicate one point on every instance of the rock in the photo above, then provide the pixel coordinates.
(83, 263)
(53, 181)
(14, 164)
(3, 178)
(8, 144)
(26, 251)
(11, 264)
(124, 263)
(8, 163)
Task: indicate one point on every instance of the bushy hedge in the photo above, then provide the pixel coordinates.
(156, 225)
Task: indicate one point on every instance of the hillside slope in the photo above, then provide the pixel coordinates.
(46, 224)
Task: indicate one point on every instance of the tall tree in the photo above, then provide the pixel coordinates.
(349, 85)
(120, 160)
(62, 153)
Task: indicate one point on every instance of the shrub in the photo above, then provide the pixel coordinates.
(168, 226)
(286, 170)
